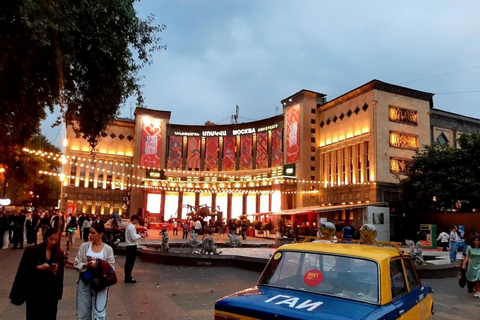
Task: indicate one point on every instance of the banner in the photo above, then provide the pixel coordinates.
(151, 144)
(175, 149)
(246, 147)
(228, 153)
(262, 151)
(211, 154)
(293, 134)
(71, 208)
(277, 147)
(193, 153)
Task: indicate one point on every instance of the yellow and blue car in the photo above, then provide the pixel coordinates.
(335, 281)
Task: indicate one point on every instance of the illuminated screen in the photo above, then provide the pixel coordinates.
(171, 205)
(237, 205)
(153, 202)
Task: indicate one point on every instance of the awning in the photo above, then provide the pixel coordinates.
(319, 209)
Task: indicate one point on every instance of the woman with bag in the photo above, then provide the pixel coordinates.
(91, 303)
(39, 279)
(473, 261)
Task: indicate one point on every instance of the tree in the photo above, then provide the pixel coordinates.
(441, 177)
(83, 55)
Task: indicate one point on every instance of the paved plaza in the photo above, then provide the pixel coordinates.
(180, 292)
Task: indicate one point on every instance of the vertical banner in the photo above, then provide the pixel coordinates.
(175, 152)
(228, 153)
(151, 144)
(277, 147)
(193, 153)
(293, 134)
(262, 151)
(211, 153)
(71, 208)
(246, 148)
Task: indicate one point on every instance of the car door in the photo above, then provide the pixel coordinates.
(404, 301)
(423, 299)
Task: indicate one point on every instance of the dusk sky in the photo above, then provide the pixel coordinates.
(255, 53)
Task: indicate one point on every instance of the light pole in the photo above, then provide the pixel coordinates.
(5, 184)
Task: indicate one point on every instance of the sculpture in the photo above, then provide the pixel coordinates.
(234, 241)
(208, 245)
(416, 252)
(165, 245)
(193, 243)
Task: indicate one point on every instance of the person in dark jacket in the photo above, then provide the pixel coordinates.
(18, 228)
(39, 279)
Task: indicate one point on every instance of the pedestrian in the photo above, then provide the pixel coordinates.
(45, 222)
(198, 226)
(473, 260)
(244, 229)
(39, 279)
(18, 230)
(80, 223)
(185, 230)
(3, 230)
(131, 238)
(87, 223)
(30, 229)
(453, 243)
(92, 304)
(72, 228)
(443, 237)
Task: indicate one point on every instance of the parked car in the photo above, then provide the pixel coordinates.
(333, 281)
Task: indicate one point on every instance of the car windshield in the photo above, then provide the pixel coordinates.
(333, 275)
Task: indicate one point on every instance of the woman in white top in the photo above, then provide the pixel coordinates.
(92, 304)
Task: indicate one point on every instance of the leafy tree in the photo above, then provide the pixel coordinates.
(83, 55)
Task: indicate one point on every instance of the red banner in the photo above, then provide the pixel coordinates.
(193, 153)
(211, 154)
(175, 152)
(277, 147)
(228, 153)
(293, 134)
(71, 208)
(262, 150)
(246, 147)
(151, 144)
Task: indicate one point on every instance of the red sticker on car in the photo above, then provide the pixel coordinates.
(313, 278)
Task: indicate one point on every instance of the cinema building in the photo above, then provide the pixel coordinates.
(320, 159)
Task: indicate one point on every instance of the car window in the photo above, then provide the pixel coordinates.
(340, 276)
(412, 279)
(397, 278)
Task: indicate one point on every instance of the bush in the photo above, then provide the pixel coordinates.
(257, 224)
(267, 226)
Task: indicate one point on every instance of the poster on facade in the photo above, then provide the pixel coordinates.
(193, 153)
(246, 148)
(71, 208)
(151, 144)
(262, 151)
(277, 147)
(293, 134)
(211, 153)
(228, 163)
(175, 152)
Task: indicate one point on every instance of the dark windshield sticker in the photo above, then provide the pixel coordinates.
(313, 278)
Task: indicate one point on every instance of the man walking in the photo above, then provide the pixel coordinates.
(453, 244)
(443, 238)
(131, 238)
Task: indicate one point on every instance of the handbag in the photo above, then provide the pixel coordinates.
(462, 278)
(103, 276)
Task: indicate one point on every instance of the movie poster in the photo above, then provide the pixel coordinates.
(277, 147)
(151, 144)
(211, 154)
(293, 134)
(262, 150)
(175, 152)
(71, 208)
(228, 153)
(193, 153)
(246, 148)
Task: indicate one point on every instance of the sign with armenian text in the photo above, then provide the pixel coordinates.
(246, 147)
(293, 134)
(262, 151)
(277, 147)
(211, 154)
(193, 153)
(175, 152)
(151, 144)
(228, 153)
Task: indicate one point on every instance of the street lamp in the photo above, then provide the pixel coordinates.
(5, 184)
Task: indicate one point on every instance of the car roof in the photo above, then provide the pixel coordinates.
(367, 251)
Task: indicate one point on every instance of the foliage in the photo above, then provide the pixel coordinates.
(93, 49)
(442, 177)
(257, 224)
(267, 226)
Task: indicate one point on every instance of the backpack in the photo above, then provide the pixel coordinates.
(103, 276)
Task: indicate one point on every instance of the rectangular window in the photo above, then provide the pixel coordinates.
(351, 162)
(312, 139)
(367, 162)
(313, 110)
(312, 130)
(73, 173)
(337, 153)
(403, 140)
(312, 168)
(397, 279)
(312, 158)
(330, 167)
(344, 164)
(359, 163)
(401, 115)
(312, 121)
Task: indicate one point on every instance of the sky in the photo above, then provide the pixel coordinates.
(255, 53)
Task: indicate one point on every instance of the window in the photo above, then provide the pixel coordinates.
(312, 130)
(411, 275)
(344, 163)
(312, 158)
(351, 163)
(73, 173)
(337, 155)
(313, 111)
(442, 139)
(312, 139)
(330, 167)
(367, 162)
(397, 279)
(312, 121)
(312, 168)
(359, 164)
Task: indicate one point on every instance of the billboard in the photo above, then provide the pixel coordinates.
(293, 134)
(151, 144)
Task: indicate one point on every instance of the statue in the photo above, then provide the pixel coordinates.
(234, 241)
(416, 252)
(165, 245)
(193, 243)
(208, 245)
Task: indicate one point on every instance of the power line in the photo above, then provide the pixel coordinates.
(441, 74)
(458, 92)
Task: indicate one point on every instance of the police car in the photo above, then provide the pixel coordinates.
(336, 281)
